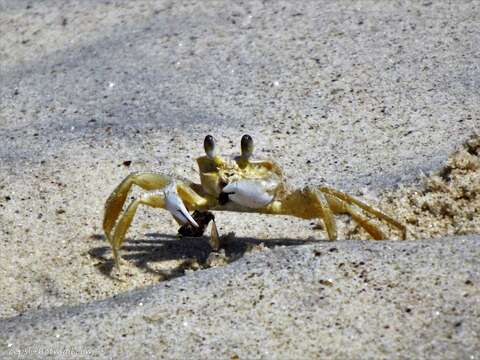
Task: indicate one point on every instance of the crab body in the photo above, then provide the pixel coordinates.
(239, 185)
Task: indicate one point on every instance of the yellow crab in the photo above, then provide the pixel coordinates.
(241, 185)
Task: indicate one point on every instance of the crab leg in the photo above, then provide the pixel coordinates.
(171, 198)
(152, 200)
(114, 204)
(326, 215)
(325, 203)
(367, 208)
(372, 229)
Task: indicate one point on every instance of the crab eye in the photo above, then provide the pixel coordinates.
(247, 146)
(209, 146)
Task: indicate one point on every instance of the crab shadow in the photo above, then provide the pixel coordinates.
(157, 247)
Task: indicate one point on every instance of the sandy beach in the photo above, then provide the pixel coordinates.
(374, 98)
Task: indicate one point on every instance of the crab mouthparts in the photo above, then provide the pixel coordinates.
(223, 197)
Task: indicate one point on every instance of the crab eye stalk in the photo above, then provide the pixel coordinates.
(209, 146)
(246, 146)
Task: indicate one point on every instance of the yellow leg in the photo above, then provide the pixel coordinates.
(367, 208)
(326, 214)
(114, 204)
(308, 203)
(330, 206)
(325, 203)
(152, 200)
(372, 229)
(148, 181)
(214, 237)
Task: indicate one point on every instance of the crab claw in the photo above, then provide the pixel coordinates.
(175, 205)
(249, 193)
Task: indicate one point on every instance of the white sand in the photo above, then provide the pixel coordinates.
(365, 97)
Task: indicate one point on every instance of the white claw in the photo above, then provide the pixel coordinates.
(249, 193)
(175, 205)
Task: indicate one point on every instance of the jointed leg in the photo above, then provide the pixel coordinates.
(325, 203)
(308, 203)
(171, 197)
(372, 229)
(114, 204)
(367, 208)
(156, 200)
(326, 215)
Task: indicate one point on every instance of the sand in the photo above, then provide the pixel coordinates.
(377, 99)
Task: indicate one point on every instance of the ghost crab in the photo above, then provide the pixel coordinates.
(241, 185)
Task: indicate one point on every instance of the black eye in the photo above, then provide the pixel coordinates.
(246, 146)
(209, 146)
